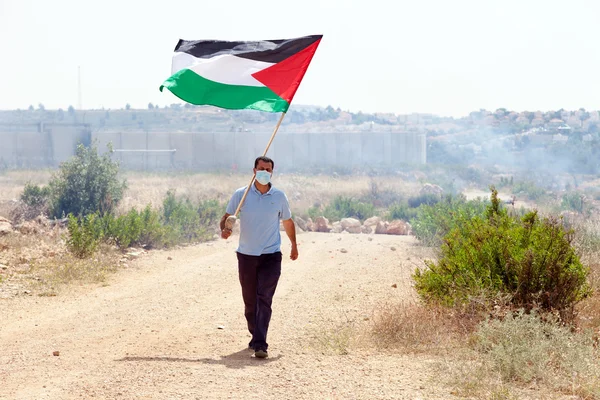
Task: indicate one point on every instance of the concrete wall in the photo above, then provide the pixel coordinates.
(39, 146)
(291, 151)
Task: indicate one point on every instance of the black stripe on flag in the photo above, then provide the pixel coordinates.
(271, 51)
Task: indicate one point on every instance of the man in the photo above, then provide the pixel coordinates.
(259, 251)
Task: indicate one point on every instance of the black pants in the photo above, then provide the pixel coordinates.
(259, 276)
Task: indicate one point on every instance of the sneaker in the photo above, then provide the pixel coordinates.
(261, 353)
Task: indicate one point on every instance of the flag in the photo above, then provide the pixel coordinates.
(259, 75)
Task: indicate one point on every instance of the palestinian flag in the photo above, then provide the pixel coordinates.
(262, 75)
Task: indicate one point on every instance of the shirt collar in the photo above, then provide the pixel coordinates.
(269, 192)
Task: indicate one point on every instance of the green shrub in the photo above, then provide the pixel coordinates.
(573, 201)
(34, 195)
(34, 202)
(348, 207)
(179, 221)
(401, 211)
(433, 222)
(528, 188)
(426, 198)
(529, 259)
(85, 234)
(86, 184)
(314, 212)
(135, 229)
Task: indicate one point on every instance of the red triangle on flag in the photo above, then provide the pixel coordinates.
(284, 77)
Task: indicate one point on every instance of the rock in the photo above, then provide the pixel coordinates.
(381, 228)
(56, 353)
(372, 222)
(398, 227)
(429, 188)
(28, 228)
(394, 286)
(349, 222)
(2, 266)
(5, 226)
(221, 327)
(370, 239)
(366, 229)
(310, 225)
(300, 223)
(42, 221)
(337, 227)
(343, 251)
(392, 248)
(169, 258)
(322, 225)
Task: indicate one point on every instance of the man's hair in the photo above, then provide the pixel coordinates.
(264, 159)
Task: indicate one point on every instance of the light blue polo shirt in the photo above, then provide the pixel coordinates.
(259, 219)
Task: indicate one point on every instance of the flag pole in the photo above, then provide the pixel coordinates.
(230, 222)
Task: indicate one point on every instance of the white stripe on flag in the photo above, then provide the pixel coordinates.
(225, 68)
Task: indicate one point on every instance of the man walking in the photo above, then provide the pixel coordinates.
(259, 251)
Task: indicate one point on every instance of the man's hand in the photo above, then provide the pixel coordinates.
(290, 229)
(225, 233)
(294, 252)
(225, 230)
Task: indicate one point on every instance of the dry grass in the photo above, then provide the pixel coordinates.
(413, 327)
(302, 191)
(587, 243)
(40, 263)
(496, 359)
(56, 273)
(13, 182)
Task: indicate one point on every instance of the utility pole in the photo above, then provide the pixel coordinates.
(79, 100)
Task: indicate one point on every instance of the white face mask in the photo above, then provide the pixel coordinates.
(263, 177)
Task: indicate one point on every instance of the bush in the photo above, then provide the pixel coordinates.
(401, 211)
(34, 202)
(426, 198)
(85, 235)
(86, 184)
(529, 189)
(34, 195)
(433, 222)
(345, 207)
(528, 259)
(573, 201)
(179, 221)
(135, 229)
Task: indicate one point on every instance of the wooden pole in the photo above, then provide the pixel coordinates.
(232, 221)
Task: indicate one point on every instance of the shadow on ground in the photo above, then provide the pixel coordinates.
(239, 359)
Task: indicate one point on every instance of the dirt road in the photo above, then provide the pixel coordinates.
(174, 329)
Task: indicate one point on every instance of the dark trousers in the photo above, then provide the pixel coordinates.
(259, 276)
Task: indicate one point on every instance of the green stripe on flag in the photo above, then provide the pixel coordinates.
(192, 88)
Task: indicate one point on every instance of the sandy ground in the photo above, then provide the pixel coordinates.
(174, 329)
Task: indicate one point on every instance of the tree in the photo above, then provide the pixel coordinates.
(128, 106)
(31, 108)
(86, 184)
(71, 110)
(41, 107)
(150, 106)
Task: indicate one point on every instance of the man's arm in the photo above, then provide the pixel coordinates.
(225, 233)
(290, 230)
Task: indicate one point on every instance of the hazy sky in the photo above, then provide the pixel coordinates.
(438, 56)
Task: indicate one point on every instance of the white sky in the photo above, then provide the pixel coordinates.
(439, 56)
